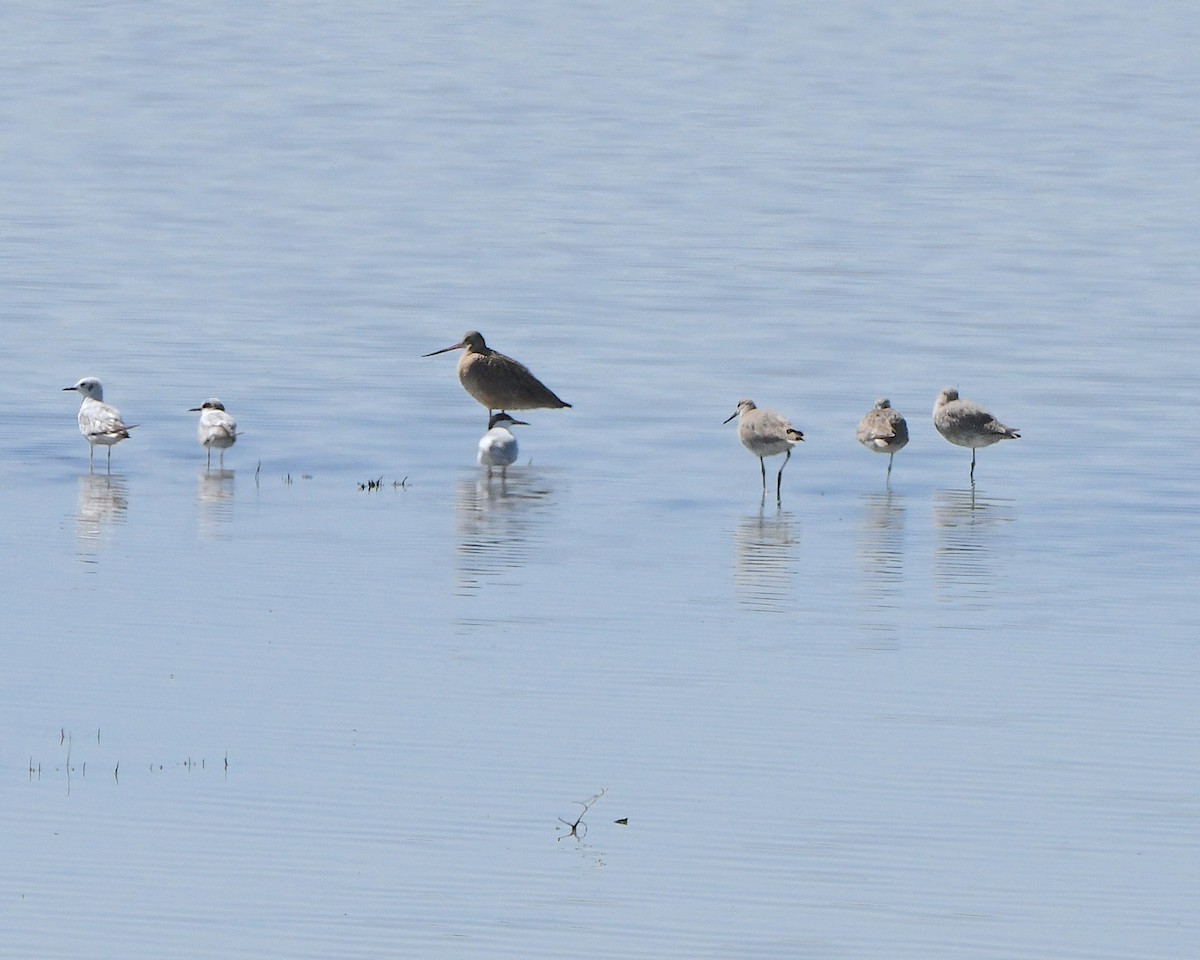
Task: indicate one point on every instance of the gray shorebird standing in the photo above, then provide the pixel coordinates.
(883, 430)
(98, 422)
(498, 448)
(967, 424)
(765, 434)
(499, 382)
(216, 428)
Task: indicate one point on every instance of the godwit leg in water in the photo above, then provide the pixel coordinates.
(499, 382)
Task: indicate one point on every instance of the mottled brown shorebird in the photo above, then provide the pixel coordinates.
(498, 382)
(765, 434)
(883, 430)
(967, 424)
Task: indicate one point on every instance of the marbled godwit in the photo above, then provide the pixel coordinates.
(98, 422)
(216, 428)
(967, 424)
(497, 381)
(765, 434)
(498, 448)
(883, 430)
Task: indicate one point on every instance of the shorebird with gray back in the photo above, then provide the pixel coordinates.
(99, 422)
(967, 424)
(883, 430)
(766, 434)
(215, 429)
(499, 382)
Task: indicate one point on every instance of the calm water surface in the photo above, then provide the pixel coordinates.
(263, 712)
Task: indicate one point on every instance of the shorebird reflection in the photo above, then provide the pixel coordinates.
(765, 548)
(500, 522)
(101, 505)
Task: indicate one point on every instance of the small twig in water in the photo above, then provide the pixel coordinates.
(575, 828)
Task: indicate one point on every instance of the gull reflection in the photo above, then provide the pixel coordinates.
(499, 522)
(968, 528)
(101, 505)
(765, 548)
(881, 562)
(214, 500)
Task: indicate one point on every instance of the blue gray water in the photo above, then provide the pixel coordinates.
(263, 712)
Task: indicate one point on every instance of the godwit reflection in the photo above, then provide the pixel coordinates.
(214, 500)
(499, 523)
(969, 529)
(101, 505)
(765, 547)
(881, 561)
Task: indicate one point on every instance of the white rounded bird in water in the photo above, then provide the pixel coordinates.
(967, 424)
(98, 422)
(498, 448)
(765, 434)
(216, 428)
(883, 430)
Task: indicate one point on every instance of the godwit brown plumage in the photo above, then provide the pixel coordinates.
(499, 382)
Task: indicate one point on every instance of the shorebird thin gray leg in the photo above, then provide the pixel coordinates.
(779, 476)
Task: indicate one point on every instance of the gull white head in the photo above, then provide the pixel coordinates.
(89, 387)
(213, 404)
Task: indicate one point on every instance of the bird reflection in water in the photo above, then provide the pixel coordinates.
(765, 546)
(500, 522)
(880, 554)
(969, 530)
(102, 504)
(214, 500)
